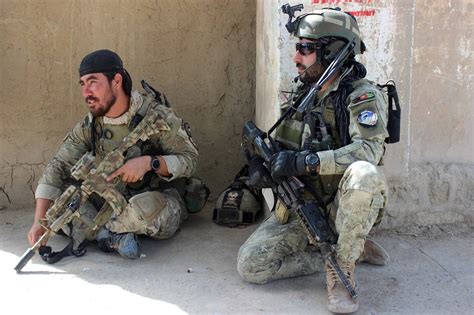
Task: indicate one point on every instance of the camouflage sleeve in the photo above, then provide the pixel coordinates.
(368, 116)
(58, 170)
(180, 151)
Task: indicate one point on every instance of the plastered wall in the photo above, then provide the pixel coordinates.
(223, 62)
(201, 54)
(426, 47)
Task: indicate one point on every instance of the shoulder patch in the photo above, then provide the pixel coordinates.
(364, 97)
(367, 118)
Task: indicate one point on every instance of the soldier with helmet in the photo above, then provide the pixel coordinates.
(151, 177)
(336, 146)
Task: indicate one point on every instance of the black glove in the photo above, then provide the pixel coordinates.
(283, 164)
(291, 163)
(259, 177)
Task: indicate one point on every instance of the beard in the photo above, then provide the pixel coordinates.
(101, 109)
(312, 73)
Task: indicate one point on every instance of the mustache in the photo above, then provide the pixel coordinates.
(300, 66)
(91, 98)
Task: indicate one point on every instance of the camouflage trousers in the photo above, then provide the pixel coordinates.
(157, 214)
(275, 251)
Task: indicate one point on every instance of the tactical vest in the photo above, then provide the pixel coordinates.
(193, 190)
(108, 137)
(315, 133)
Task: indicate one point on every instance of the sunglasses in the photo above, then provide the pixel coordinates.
(307, 48)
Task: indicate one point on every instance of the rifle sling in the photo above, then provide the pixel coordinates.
(51, 257)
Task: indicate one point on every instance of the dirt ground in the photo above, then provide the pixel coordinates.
(431, 272)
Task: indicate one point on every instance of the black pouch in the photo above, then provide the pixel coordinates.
(394, 114)
(195, 194)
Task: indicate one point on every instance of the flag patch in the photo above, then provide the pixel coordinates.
(364, 97)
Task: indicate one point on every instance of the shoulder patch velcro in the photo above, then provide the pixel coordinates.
(364, 97)
(367, 118)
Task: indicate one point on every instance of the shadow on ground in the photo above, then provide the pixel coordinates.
(431, 272)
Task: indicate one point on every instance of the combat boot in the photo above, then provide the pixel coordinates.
(339, 300)
(126, 244)
(374, 254)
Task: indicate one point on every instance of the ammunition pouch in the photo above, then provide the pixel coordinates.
(193, 190)
(282, 214)
(196, 194)
(315, 145)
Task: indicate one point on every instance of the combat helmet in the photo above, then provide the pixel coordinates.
(238, 204)
(330, 24)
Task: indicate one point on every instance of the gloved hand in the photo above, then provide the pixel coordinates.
(283, 164)
(259, 177)
(291, 163)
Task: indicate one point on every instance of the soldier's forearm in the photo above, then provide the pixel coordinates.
(337, 161)
(42, 205)
(163, 170)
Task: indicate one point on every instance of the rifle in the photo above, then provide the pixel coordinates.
(290, 192)
(93, 173)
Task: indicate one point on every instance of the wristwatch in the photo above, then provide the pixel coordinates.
(154, 163)
(312, 162)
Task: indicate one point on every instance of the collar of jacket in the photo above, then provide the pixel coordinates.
(136, 101)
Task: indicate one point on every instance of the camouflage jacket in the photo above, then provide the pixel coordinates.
(175, 146)
(367, 137)
(368, 116)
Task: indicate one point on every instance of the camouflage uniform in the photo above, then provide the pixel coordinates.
(280, 249)
(156, 209)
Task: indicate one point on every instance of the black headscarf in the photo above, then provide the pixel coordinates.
(100, 61)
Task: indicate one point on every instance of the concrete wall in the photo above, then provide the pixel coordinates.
(426, 47)
(201, 54)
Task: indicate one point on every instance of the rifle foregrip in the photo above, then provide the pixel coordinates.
(24, 259)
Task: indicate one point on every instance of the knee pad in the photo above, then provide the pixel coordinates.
(147, 206)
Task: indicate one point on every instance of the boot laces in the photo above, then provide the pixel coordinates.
(332, 276)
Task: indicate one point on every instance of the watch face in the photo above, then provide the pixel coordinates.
(155, 164)
(311, 159)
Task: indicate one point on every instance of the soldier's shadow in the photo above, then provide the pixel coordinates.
(198, 263)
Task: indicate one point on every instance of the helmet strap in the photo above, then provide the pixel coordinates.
(320, 53)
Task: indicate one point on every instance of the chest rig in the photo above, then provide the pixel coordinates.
(105, 138)
(313, 131)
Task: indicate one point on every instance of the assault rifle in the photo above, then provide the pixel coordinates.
(93, 173)
(290, 192)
